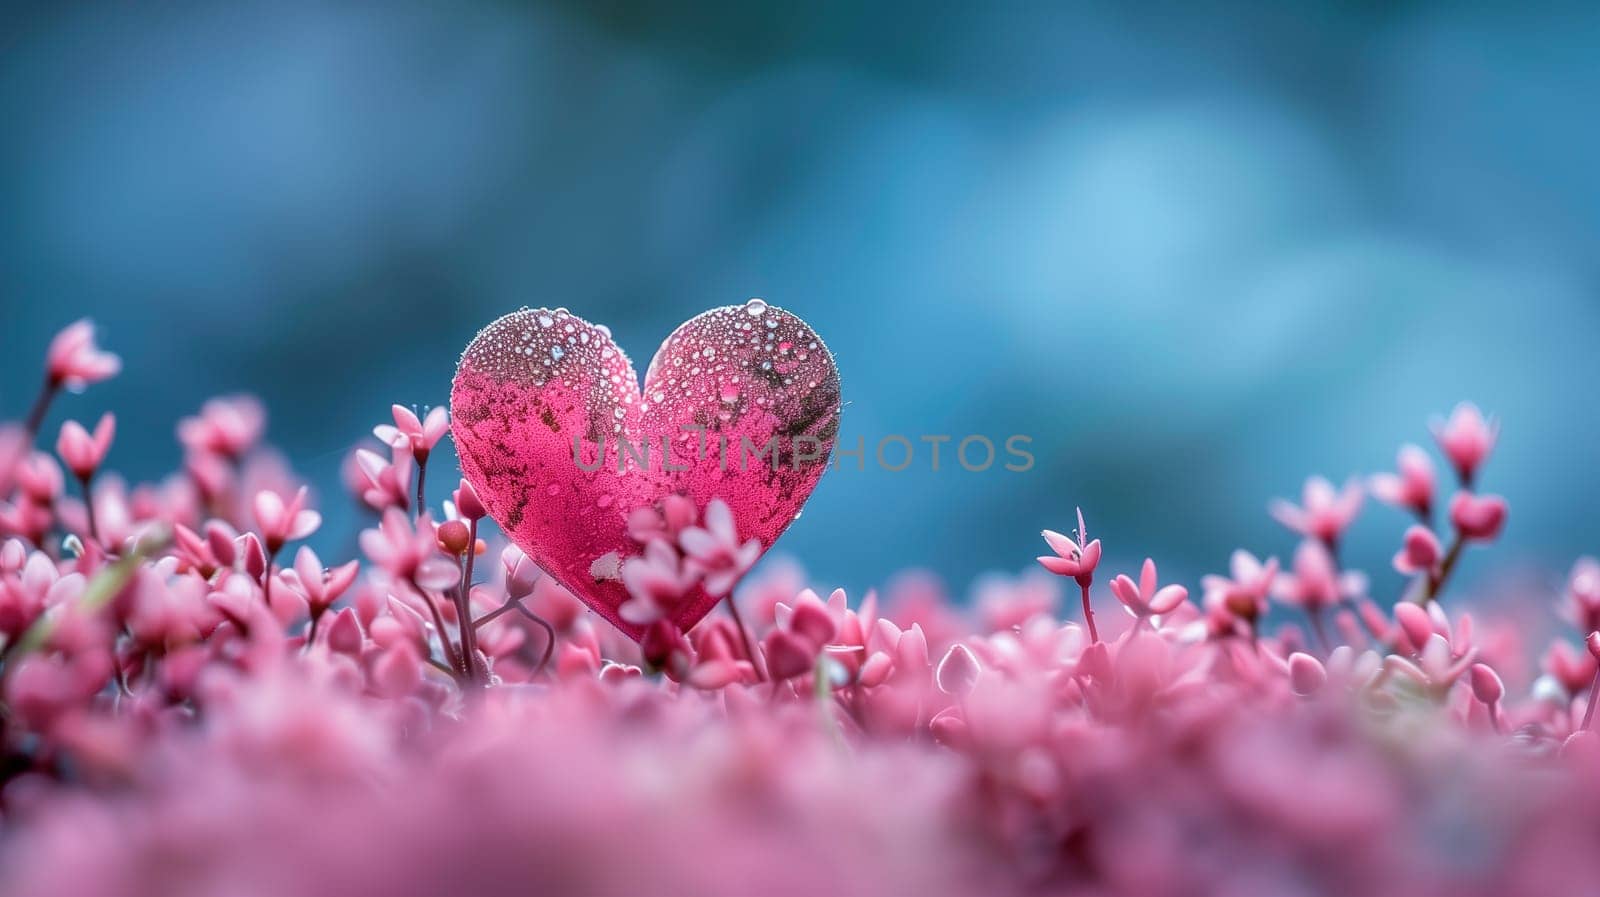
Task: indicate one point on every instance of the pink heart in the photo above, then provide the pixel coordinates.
(535, 381)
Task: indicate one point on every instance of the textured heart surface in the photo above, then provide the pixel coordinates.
(562, 444)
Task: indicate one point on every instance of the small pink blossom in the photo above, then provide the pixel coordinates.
(715, 551)
(1244, 592)
(656, 581)
(384, 482)
(521, 573)
(228, 426)
(322, 587)
(665, 521)
(1436, 669)
(1583, 592)
(1411, 487)
(467, 503)
(81, 452)
(1324, 512)
(408, 432)
(39, 478)
(76, 361)
(1478, 518)
(1072, 558)
(1145, 599)
(1315, 582)
(281, 521)
(409, 553)
(1420, 552)
(788, 654)
(1466, 439)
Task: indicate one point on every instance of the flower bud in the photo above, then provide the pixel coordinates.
(454, 537)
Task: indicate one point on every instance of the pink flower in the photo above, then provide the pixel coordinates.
(656, 581)
(1324, 513)
(420, 436)
(1420, 552)
(1412, 487)
(1073, 558)
(1436, 668)
(384, 483)
(322, 587)
(788, 654)
(467, 503)
(81, 452)
(715, 551)
(280, 522)
(1244, 593)
(1583, 590)
(521, 574)
(1478, 518)
(39, 477)
(228, 426)
(409, 553)
(663, 647)
(674, 514)
(1466, 439)
(1315, 581)
(1145, 599)
(75, 361)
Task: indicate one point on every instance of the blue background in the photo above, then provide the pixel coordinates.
(1196, 253)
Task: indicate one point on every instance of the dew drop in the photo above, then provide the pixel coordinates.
(557, 352)
(545, 320)
(755, 308)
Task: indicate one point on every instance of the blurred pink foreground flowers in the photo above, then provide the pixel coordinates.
(191, 703)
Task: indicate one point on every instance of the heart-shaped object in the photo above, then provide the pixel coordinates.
(546, 410)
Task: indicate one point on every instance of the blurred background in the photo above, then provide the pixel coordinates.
(1196, 254)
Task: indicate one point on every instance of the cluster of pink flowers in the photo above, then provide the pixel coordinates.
(193, 702)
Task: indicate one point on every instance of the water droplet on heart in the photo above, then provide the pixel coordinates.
(557, 352)
(545, 320)
(618, 412)
(755, 307)
(553, 489)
